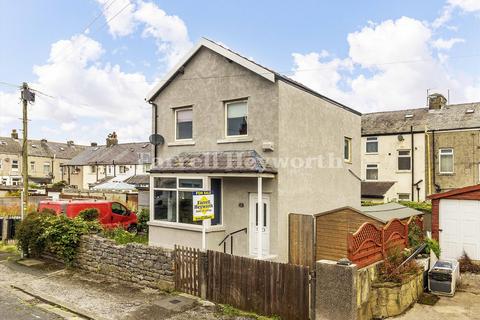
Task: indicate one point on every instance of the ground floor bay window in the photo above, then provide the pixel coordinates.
(173, 198)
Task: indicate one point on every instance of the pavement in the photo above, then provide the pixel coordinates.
(39, 289)
(464, 305)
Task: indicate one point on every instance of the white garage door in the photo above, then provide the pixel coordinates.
(460, 225)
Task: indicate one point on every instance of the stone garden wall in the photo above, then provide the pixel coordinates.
(133, 263)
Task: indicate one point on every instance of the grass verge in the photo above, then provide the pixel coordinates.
(234, 312)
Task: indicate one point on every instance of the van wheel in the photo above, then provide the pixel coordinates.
(132, 228)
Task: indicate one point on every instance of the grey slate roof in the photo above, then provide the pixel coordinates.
(215, 162)
(375, 189)
(122, 153)
(388, 211)
(40, 148)
(139, 179)
(450, 117)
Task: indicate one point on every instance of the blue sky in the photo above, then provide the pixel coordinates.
(371, 55)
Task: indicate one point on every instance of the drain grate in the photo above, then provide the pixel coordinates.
(175, 301)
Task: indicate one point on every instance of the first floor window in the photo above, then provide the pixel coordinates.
(236, 122)
(371, 145)
(184, 125)
(347, 149)
(32, 165)
(372, 172)
(122, 169)
(173, 199)
(404, 160)
(93, 169)
(446, 160)
(46, 168)
(15, 165)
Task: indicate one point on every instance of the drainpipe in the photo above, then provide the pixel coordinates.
(114, 169)
(96, 169)
(155, 129)
(433, 161)
(413, 164)
(260, 219)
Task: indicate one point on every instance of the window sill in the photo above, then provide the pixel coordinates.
(181, 143)
(347, 161)
(404, 171)
(371, 153)
(446, 174)
(235, 140)
(185, 226)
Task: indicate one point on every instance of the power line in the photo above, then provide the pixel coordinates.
(106, 6)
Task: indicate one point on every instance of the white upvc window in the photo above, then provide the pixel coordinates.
(14, 165)
(446, 160)
(372, 172)
(347, 149)
(404, 196)
(16, 181)
(236, 118)
(404, 160)
(173, 198)
(184, 124)
(46, 167)
(371, 145)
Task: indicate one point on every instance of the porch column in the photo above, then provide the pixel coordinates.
(260, 218)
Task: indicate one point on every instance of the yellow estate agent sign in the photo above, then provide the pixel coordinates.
(203, 206)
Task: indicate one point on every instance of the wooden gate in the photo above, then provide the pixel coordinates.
(264, 287)
(301, 247)
(187, 270)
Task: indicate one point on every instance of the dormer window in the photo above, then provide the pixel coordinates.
(408, 116)
(469, 111)
(236, 123)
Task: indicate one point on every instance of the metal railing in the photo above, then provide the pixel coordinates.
(230, 235)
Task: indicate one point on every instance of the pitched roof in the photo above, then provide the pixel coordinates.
(454, 116)
(375, 189)
(139, 179)
(255, 67)
(122, 153)
(454, 192)
(215, 162)
(388, 211)
(40, 148)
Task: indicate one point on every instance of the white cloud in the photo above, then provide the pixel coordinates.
(446, 44)
(390, 65)
(466, 5)
(119, 16)
(91, 98)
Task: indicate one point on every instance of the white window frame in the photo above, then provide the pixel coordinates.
(17, 165)
(371, 141)
(32, 166)
(404, 156)
(366, 169)
(347, 140)
(47, 164)
(226, 118)
(440, 161)
(404, 194)
(175, 125)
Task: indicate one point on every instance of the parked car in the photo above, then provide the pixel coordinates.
(111, 214)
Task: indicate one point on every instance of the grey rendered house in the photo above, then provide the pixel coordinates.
(249, 135)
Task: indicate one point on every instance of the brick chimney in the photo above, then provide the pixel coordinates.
(436, 101)
(14, 134)
(112, 139)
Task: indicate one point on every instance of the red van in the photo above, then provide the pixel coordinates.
(111, 214)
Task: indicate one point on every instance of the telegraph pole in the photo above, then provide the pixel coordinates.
(26, 96)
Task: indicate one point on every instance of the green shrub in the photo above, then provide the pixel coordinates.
(63, 235)
(143, 217)
(425, 207)
(415, 234)
(432, 245)
(29, 234)
(60, 184)
(90, 214)
(121, 236)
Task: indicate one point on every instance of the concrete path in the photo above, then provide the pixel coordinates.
(465, 305)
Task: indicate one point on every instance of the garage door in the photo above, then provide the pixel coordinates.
(460, 224)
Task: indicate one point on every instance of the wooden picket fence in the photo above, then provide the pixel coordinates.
(264, 287)
(370, 244)
(187, 270)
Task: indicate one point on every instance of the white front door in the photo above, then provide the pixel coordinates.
(460, 228)
(253, 225)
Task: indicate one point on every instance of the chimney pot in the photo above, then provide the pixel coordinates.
(70, 143)
(436, 101)
(93, 144)
(112, 139)
(14, 134)
(43, 141)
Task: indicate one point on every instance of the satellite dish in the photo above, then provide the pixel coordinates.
(156, 139)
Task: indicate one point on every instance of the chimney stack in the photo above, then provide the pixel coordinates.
(14, 134)
(70, 143)
(112, 139)
(436, 101)
(43, 141)
(93, 144)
